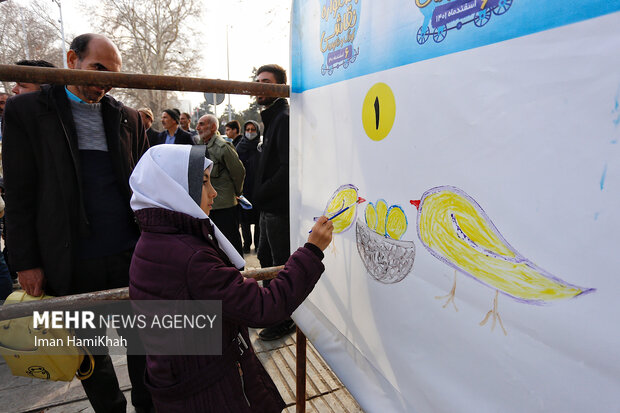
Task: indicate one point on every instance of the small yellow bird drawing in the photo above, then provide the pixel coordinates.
(341, 208)
(456, 230)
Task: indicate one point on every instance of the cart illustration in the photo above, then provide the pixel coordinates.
(441, 18)
(343, 57)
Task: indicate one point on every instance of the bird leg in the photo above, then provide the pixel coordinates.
(450, 296)
(495, 314)
(333, 248)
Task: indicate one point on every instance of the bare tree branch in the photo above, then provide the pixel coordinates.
(154, 38)
(40, 35)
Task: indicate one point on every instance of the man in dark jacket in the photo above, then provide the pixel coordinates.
(67, 190)
(185, 121)
(232, 132)
(172, 132)
(271, 193)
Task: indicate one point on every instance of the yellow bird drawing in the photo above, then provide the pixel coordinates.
(341, 208)
(456, 230)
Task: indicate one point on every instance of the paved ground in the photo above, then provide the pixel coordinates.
(324, 392)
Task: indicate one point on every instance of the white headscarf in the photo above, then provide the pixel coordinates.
(160, 180)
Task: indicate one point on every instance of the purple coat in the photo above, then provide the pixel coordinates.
(177, 258)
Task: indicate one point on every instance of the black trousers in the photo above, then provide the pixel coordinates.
(102, 388)
(227, 220)
(274, 245)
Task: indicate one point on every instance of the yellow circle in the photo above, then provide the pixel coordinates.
(378, 111)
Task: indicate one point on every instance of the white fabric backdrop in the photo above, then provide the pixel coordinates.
(527, 127)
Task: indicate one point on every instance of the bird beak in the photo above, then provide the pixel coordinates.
(360, 200)
(416, 204)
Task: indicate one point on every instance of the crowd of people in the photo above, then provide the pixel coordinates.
(97, 199)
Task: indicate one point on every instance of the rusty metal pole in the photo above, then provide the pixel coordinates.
(14, 73)
(300, 361)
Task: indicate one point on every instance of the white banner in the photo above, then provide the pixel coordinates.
(468, 151)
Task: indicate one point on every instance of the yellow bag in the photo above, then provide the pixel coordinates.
(25, 359)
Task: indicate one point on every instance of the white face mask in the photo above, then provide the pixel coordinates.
(251, 135)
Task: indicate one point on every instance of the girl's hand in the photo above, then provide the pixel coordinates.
(321, 234)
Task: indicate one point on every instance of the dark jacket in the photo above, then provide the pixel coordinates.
(43, 180)
(180, 137)
(272, 192)
(153, 136)
(249, 156)
(177, 258)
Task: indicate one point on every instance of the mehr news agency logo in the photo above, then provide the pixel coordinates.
(85, 319)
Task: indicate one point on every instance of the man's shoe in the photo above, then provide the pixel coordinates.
(278, 331)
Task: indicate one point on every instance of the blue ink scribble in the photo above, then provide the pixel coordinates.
(603, 177)
(596, 216)
(616, 111)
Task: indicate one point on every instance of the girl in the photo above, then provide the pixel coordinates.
(181, 255)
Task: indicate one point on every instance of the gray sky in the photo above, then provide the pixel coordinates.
(258, 34)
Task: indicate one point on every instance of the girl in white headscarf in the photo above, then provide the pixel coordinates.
(181, 255)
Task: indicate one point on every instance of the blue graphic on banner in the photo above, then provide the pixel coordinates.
(460, 11)
(393, 33)
(342, 57)
(339, 25)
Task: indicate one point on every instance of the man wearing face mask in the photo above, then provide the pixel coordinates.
(71, 229)
(247, 149)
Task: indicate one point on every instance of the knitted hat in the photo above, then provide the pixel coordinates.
(174, 114)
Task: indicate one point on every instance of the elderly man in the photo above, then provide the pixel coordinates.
(227, 178)
(71, 229)
(25, 87)
(147, 119)
(172, 132)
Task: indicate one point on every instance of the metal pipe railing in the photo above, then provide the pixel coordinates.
(14, 73)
